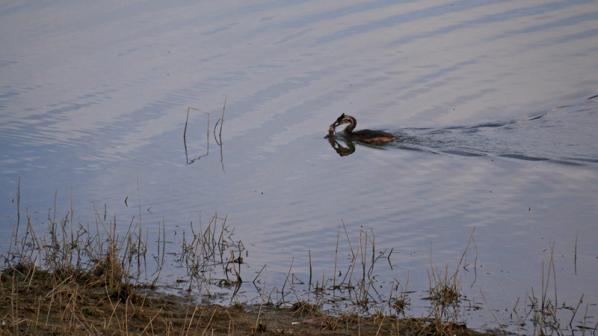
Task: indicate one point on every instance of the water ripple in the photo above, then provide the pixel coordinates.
(395, 20)
(493, 18)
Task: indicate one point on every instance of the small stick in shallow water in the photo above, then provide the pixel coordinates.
(575, 256)
(189, 108)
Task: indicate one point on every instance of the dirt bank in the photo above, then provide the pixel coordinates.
(78, 302)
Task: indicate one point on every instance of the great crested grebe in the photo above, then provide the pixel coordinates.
(373, 137)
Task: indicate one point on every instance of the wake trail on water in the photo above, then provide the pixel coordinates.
(565, 135)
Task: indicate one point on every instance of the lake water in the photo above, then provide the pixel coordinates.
(494, 103)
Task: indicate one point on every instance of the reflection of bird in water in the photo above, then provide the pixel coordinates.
(372, 137)
(348, 149)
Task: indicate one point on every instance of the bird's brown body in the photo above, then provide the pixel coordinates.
(373, 137)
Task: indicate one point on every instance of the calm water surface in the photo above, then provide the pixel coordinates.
(492, 101)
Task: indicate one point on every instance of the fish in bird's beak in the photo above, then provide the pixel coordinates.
(335, 124)
(331, 130)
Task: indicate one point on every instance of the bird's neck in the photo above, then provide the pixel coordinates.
(349, 129)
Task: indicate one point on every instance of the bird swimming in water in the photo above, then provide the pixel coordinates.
(373, 137)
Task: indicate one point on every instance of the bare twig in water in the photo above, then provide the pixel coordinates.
(18, 200)
(258, 275)
(388, 258)
(334, 274)
(219, 138)
(286, 280)
(190, 161)
(310, 272)
(575, 256)
(220, 122)
(189, 108)
(217, 135)
(575, 312)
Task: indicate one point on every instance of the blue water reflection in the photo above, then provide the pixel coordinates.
(491, 101)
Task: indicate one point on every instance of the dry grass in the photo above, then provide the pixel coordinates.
(77, 280)
(35, 302)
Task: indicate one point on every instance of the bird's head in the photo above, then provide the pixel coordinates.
(343, 119)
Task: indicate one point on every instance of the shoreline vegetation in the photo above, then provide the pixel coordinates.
(89, 302)
(107, 279)
(82, 280)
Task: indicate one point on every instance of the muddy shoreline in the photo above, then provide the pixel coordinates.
(91, 302)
